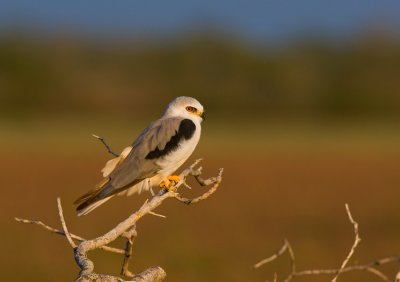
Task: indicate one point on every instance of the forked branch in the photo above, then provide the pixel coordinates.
(127, 230)
(369, 267)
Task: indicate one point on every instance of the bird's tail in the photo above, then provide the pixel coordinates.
(93, 199)
(85, 208)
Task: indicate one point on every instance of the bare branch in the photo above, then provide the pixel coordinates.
(157, 214)
(87, 265)
(61, 232)
(355, 244)
(292, 258)
(378, 273)
(153, 274)
(126, 229)
(365, 267)
(203, 182)
(130, 236)
(273, 257)
(369, 267)
(105, 144)
(81, 258)
(213, 180)
(64, 225)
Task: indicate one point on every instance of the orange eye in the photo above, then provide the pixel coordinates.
(191, 109)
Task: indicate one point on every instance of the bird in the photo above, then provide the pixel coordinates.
(152, 158)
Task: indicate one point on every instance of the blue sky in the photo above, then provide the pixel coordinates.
(260, 20)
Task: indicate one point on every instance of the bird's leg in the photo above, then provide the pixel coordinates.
(170, 182)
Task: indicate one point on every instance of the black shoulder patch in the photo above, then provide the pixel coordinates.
(185, 131)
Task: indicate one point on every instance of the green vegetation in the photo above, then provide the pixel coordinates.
(72, 77)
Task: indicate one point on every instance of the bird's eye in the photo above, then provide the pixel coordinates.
(191, 109)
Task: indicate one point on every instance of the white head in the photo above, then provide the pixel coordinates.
(186, 107)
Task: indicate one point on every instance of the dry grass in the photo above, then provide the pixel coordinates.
(267, 195)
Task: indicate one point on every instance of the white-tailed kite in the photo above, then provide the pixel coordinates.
(152, 158)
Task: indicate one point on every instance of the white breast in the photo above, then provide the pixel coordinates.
(175, 159)
(170, 163)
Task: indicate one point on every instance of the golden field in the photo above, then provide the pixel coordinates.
(281, 181)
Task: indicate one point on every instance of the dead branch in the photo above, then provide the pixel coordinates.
(151, 274)
(105, 145)
(64, 225)
(130, 236)
(87, 265)
(213, 180)
(369, 267)
(355, 244)
(61, 232)
(154, 274)
(273, 257)
(127, 230)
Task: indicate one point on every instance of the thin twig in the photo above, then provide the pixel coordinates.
(187, 185)
(369, 267)
(355, 244)
(286, 246)
(130, 236)
(105, 144)
(273, 257)
(378, 273)
(61, 232)
(64, 225)
(157, 214)
(365, 267)
(213, 180)
(291, 255)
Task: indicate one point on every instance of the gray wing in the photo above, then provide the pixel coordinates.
(137, 165)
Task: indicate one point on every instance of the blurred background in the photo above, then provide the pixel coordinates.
(303, 111)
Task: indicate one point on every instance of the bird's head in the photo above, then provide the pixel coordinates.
(186, 107)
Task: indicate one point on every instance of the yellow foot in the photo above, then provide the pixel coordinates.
(174, 178)
(170, 182)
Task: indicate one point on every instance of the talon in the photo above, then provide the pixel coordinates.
(165, 183)
(170, 182)
(174, 178)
